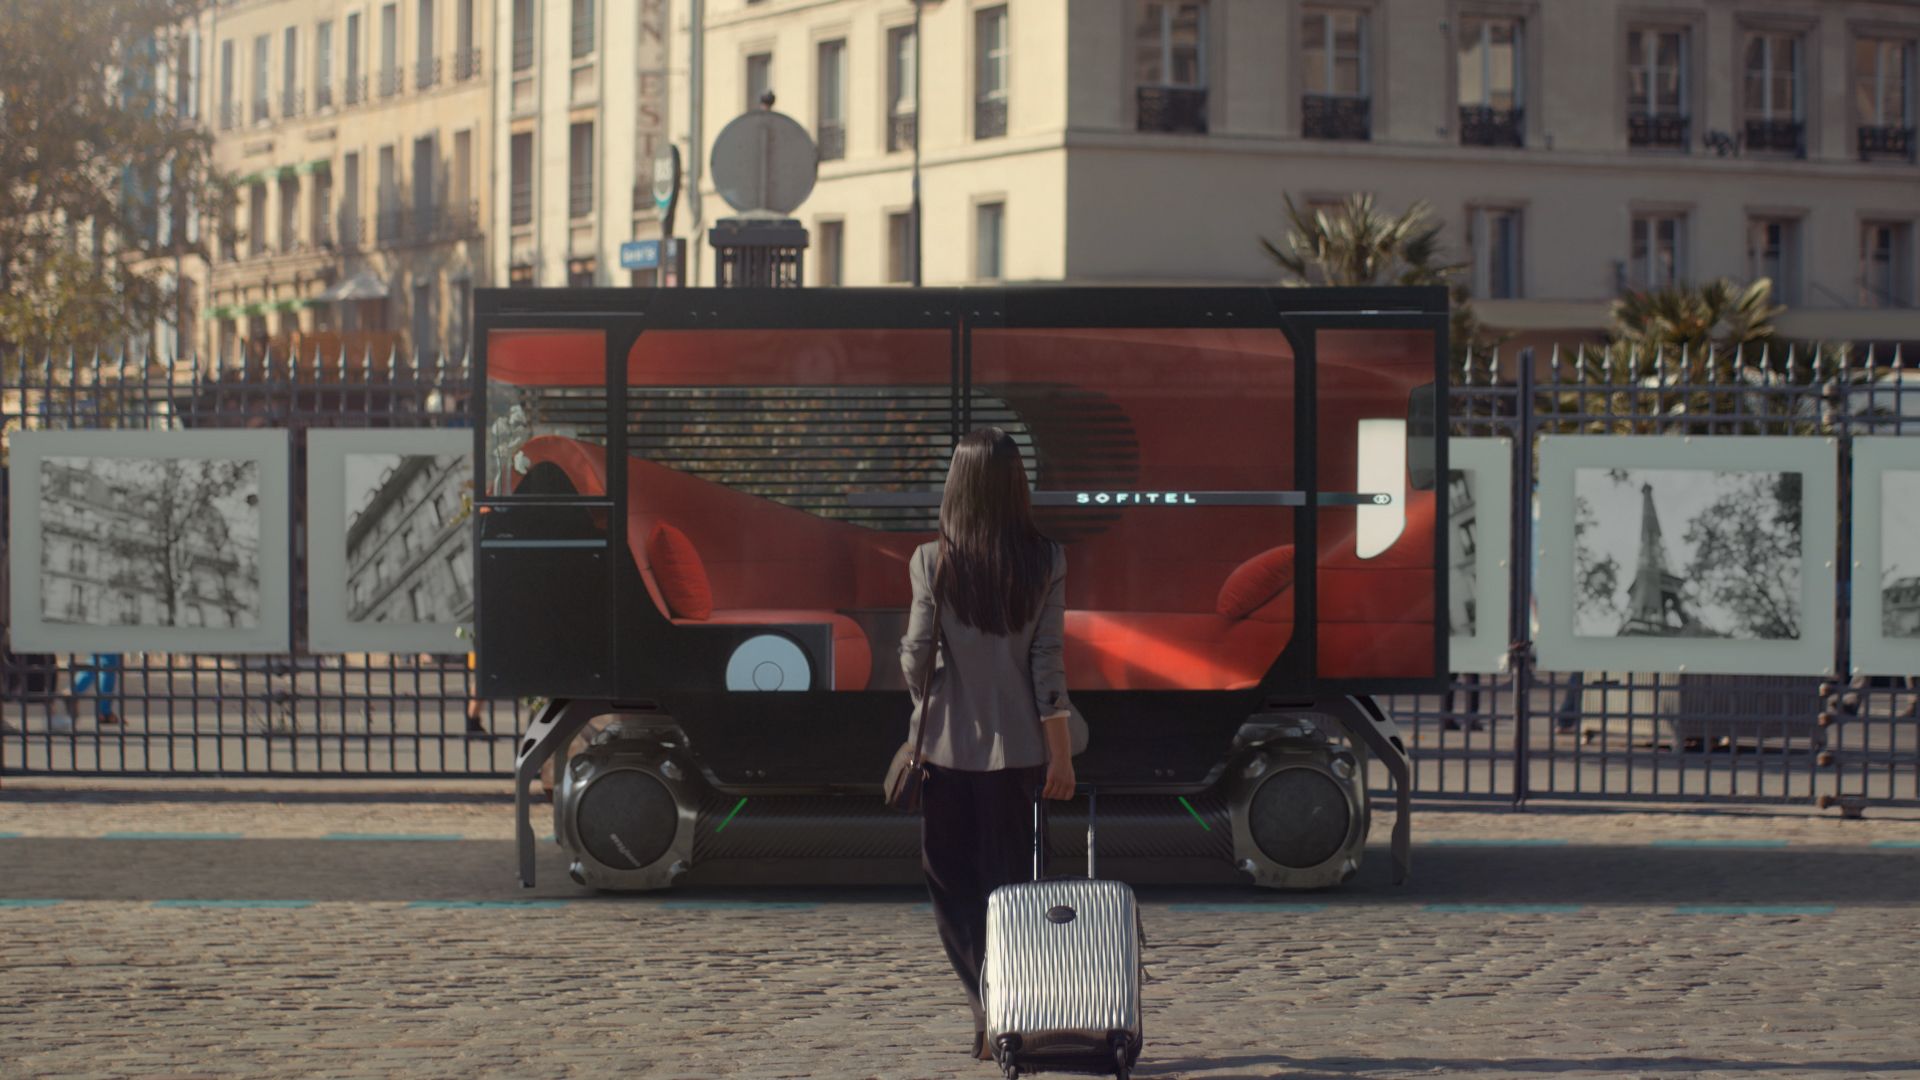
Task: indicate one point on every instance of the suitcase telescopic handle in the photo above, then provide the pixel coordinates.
(1039, 829)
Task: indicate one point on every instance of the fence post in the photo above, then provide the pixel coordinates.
(1520, 618)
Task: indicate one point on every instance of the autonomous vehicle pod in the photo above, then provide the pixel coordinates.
(695, 509)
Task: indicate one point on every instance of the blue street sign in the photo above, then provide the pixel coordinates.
(640, 255)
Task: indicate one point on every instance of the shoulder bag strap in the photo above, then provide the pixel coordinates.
(926, 673)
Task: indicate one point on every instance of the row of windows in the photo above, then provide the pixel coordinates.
(430, 68)
(320, 215)
(580, 190)
(990, 29)
(989, 246)
(1172, 72)
(1658, 257)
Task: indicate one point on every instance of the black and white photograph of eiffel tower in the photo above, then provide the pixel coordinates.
(1687, 553)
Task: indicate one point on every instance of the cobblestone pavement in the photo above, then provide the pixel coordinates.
(1773, 943)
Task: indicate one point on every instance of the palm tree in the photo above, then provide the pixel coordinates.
(1358, 244)
(1718, 314)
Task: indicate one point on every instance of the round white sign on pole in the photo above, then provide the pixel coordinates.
(764, 160)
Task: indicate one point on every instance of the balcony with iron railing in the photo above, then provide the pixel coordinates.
(426, 74)
(1658, 130)
(390, 226)
(261, 113)
(466, 65)
(832, 140)
(1776, 136)
(989, 117)
(392, 81)
(1484, 125)
(322, 96)
(292, 103)
(232, 115)
(354, 89)
(1328, 116)
(901, 127)
(1885, 141)
(1172, 109)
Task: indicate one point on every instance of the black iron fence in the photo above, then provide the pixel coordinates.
(404, 715)
(1520, 734)
(1527, 733)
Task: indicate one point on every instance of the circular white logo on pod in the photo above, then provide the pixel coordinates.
(768, 662)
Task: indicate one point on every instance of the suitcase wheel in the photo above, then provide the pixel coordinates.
(1120, 1068)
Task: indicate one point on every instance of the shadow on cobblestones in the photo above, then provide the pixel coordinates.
(371, 870)
(1348, 1068)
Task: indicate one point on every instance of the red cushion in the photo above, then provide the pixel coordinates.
(678, 569)
(1255, 582)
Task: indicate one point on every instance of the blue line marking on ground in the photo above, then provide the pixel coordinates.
(537, 904)
(1754, 909)
(391, 836)
(234, 903)
(9, 836)
(30, 903)
(1252, 906)
(1721, 843)
(1464, 841)
(170, 836)
(749, 905)
(1501, 909)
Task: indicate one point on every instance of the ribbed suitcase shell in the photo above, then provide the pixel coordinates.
(1063, 987)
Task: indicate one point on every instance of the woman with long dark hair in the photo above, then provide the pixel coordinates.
(998, 722)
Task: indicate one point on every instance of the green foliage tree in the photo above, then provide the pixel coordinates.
(93, 148)
(1718, 315)
(1360, 244)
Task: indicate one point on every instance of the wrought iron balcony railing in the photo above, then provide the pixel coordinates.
(355, 87)
(1660, 130)
(1323, 116)
(832, 140)
(1885, 140)
(1172, 108)
(292, 103)
(392, 81)
(989, 117)
(1484, 125)
(1777, 136)
(466, 65)
(232, 115)
(427, 74)
(322, 96)
(900, 131)
(261, 113)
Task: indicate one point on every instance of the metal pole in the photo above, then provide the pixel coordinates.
(696, 77)
(1521, 575)
(917, 118)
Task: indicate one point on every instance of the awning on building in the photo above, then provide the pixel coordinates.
(365, 285)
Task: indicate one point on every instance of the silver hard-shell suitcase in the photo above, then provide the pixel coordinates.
(1062, 977)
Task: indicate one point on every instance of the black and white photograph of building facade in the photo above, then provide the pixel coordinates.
(1463, 552)
(408, 553)
(152, 542)
(1900, 553)
(1693, 553)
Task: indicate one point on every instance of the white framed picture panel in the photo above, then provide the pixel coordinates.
(1479, 546)
(389, 552)
(1687, 554)
(1884, 631)
(150, 542)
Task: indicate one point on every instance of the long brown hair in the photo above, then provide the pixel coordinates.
(996, 563)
